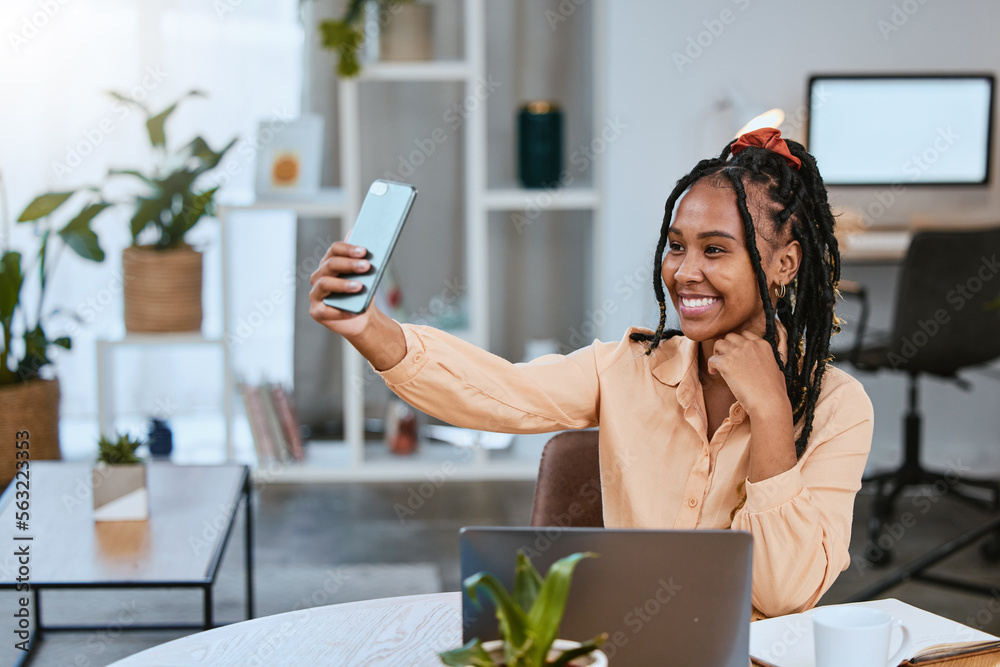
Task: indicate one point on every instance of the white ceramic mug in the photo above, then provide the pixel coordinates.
(856, 636)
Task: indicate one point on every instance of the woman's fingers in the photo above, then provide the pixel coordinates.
(344, 249)
(330, 285)
(337, 265)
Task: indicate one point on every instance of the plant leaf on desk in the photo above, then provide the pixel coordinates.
(472, 654)
(527, 581)
(583, 649)
(547, 611)
(513, 621)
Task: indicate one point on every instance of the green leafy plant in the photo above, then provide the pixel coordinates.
(169, 201)
(346, 36)
(529, 617)
(120, 451)
(26, 344)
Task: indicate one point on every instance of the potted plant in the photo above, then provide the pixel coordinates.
(29, 398)
(161, 272)
(119, 481)
(529, 621)
(402, 28)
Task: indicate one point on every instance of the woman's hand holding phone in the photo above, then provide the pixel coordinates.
(376, 336)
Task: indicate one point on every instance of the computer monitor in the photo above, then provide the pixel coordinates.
(907, 129)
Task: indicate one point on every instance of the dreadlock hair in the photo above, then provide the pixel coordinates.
(798, 202)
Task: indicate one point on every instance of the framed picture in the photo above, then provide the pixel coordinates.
(289, 157)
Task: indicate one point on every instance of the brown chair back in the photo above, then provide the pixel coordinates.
(568, 491)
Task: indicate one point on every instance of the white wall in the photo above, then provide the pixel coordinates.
(768, 50)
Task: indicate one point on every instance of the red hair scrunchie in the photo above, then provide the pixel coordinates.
(768, 138)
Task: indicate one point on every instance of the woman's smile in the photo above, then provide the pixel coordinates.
(693, 305)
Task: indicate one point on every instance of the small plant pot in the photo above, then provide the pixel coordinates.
(408, 34)
(162, 289)
(120, 492)
(29, 413)
(594, 659)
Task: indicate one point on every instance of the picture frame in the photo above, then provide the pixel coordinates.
(289, 157)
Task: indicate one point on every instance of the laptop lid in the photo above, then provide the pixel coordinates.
(663, 596)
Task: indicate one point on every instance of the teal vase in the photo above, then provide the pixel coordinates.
(539, 144)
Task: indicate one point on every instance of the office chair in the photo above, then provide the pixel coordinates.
(568, 491)
(945, 321)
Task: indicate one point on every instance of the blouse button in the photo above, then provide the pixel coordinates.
(417, 358)
(738, 411)
(692, 502)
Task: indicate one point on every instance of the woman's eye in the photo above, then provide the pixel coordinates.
(674, 247)
(712, 250)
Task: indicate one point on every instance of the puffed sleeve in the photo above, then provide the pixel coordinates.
(801, 519)
(457, 382)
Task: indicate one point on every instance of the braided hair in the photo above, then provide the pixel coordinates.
(799, 204)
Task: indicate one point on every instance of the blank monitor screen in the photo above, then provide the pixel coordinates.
(884, 130)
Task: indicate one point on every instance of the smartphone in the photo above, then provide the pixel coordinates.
(377, 229)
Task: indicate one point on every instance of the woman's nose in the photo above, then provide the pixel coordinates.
(689, 270)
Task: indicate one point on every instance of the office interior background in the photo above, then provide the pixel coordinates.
(646, 88)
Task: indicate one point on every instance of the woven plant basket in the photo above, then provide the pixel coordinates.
(162, 289)
(33, 408)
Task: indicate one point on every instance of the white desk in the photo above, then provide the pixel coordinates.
(398, 631)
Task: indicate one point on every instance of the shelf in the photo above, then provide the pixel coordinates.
(331, 462)
(546, 199)
(327, 202)
(439, 70)
(179, 338)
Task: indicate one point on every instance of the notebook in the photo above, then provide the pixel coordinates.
(663, 596)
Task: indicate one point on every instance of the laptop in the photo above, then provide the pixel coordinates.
(677, 597)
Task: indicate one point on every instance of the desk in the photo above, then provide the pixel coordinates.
(407, 631)
(191, 515)
(876, 246)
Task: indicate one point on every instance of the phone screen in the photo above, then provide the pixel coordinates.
(377, 228)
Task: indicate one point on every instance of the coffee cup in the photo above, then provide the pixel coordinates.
(856, 636)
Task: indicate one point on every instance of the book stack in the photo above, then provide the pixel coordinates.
(273, 423)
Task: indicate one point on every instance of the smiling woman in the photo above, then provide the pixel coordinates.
(734, 421)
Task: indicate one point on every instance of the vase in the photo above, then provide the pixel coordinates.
(29, 413)
(593, 659)
(162, 289)
(408, 34)
(539, 144)
(120, 492)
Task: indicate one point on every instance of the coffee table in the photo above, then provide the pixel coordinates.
(192, 510)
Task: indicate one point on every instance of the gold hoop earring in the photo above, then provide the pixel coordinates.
(780, 290)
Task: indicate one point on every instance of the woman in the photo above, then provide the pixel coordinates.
(734, 421)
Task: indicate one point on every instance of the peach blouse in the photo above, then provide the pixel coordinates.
(659, 467)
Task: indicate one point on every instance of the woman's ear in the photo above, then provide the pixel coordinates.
(789, 258)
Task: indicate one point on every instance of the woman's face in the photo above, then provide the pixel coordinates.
(707, 268)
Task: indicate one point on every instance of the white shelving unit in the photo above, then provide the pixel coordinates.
(354, 460)
(327, 203)
(105, 373)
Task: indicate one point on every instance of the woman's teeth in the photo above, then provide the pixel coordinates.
(696, 303)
